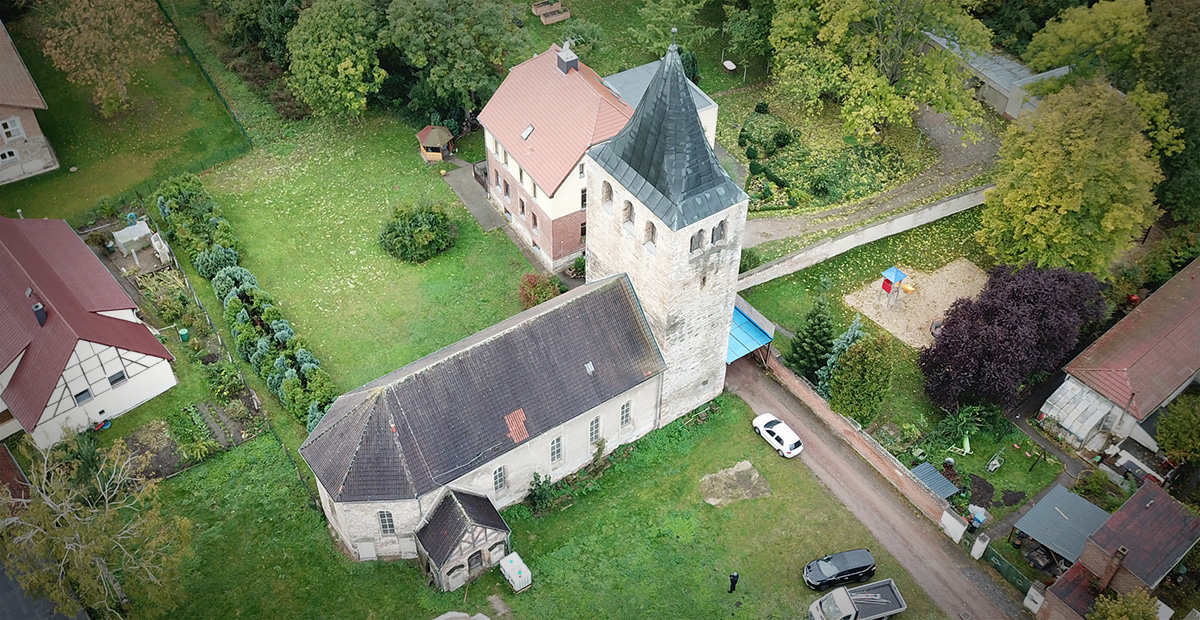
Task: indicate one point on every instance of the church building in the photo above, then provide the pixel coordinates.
(416, 463)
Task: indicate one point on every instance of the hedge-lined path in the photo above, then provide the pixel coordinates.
(958, 163)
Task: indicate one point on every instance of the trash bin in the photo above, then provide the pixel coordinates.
(183, 335)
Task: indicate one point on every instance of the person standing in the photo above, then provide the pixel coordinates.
(733, 579)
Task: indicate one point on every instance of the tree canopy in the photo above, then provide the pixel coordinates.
(91, 532)
(1024, 322)
(1014, 22)
(873, 57)
(658, 17)
(1175, 36)
(1178, 433)
(1137, 605)
(103, 43)
(459, 48)
(840, 344)
(811, 346)
(748, 26)
(862, 379)
(1107, 38)
(1074, 183)
(333, 51)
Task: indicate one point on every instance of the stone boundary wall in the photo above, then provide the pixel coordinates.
(874, 454)
(832, 246)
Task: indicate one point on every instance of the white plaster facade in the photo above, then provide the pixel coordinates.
(24, 150)
(688, 296)
(357, 523)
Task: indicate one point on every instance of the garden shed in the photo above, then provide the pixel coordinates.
(934, 480)
(1062, 522)
(436, 142)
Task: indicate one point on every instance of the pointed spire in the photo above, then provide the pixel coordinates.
(662, 155)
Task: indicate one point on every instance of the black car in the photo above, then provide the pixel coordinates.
(839, 568)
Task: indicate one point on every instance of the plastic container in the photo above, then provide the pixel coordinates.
(183, 335)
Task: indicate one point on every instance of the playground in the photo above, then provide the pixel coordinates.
(916, 299)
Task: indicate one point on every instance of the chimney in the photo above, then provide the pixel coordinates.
(1114, 563)
(40, 312)
(567, 59)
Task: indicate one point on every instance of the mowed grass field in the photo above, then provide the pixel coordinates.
(642, 544)
(175, 122)
(309, 217)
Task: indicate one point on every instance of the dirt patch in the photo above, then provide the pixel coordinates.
(1012, 498)
(152, 439)
(909, 316)
(741, 481)
(982, 491)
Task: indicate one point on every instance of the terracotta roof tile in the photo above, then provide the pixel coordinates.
(1151, 352)
(569, 113)
(1156, 529)
(49, 258)
(1075, 589)
(17, 88)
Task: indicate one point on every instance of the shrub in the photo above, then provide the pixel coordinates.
(535, 289)
(862, 379)
(750, 259)
(743, 139)
(418, 233)
(691, 65)
(755, 167)
(209, 262)
(812, 343)
(840, 345)
(782, 138)
(223, 380)
(230, 278)
(761, 108)
(752, 152)
(578, 267)
(586, 37)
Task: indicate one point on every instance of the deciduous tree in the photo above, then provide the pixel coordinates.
(1108, 38)
(1175, 37)
(658, 17)
(334, 65)
(748, 26)
(1024, 322)
(1137, 605)
(459, 48)
(1179, 431)
(873, 56)
(1075, 182)
(1013, 22)
(103, 43)
(91, 532)
(862, 379)
(811, 346)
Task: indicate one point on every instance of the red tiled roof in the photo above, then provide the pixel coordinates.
(516, 426)
(49, 258)
(1075, 589)
(16, 85)
(11, 474)
(569, 113)
(1151, 352)
(1156, 529)
(434, 136)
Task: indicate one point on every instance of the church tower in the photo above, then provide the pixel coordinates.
(662, 210)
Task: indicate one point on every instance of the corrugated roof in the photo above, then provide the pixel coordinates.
(569, 113)
(49, 258)
(1062, 521)
(744, 336)
(17, 88)
(1156, 529)
(449, 522)
(662, 156)
(932, 478)
(1151, 352)
(436, 419)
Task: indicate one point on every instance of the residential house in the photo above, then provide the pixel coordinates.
(72, 351)
(545, 392)
(24, 150)
(1117, 385)
(1135, 549)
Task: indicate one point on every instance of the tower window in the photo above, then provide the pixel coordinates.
(606, 195)
(718, 233)
(651, 235)
(697, 241)
(627, 216)
(386, 525)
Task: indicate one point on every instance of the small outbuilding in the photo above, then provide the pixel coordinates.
(437, 143)
(464, 537)
(1062, 522)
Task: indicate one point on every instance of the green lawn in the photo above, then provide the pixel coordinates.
(176, 123)
(191, 389)
(642, 544)
(309, 218)
(619, 53)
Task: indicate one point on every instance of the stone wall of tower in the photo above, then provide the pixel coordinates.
(687, 295)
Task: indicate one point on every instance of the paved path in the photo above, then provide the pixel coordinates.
(954, 582)
(958, 163)
(468, 190)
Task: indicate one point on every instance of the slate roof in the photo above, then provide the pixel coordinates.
(447, 524)
(436, 419)
(1062, 521)
(569, 113)
(17, 88)
(663, 157)
(932, 478)
(49, 258)
(1156, 529)
(1151, 352)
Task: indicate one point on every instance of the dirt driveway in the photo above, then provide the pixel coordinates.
(950, 578)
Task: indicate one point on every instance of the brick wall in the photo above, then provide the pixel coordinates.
(1054, 609)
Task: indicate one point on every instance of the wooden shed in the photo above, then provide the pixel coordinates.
(436, 142)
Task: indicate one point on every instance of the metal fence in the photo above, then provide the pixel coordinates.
(1011, 574)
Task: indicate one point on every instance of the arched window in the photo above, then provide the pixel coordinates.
(498, 478)
(627, 213)
(386, 525)
(651, 234)
(606, 195)
(697, 241)
(718, 233)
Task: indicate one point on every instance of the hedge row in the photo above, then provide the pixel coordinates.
(261, 334)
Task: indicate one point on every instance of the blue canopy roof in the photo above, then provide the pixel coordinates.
(932, 478)
(744, 336)
(894, 274)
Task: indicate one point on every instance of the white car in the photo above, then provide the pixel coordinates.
(785, 441)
